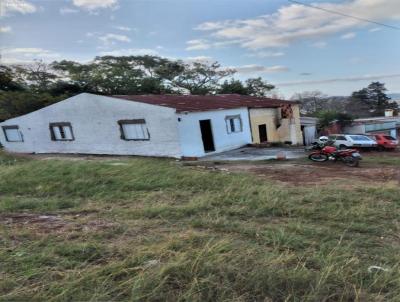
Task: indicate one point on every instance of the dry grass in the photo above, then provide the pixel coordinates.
(152, 230)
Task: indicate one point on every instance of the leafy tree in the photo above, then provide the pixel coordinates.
(25, 88)
(371, 101)
(9, 81)
(15, 103)
(38, 75)
(232, 86)
(201, 78)
(326, 117)
(258, 87)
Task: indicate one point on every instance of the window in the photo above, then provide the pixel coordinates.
(134, 130)
(233, 124)
(341, 138)
(359, 138)
(12, 134)
(61, 132)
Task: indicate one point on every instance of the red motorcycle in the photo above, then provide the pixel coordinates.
(323, 152)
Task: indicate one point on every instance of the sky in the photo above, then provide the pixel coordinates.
(293, 46)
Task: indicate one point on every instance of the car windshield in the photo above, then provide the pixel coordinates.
(360, 138)
(388, 137)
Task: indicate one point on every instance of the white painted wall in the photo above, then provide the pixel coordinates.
(190, 133)
(94, 122)
(310, 134)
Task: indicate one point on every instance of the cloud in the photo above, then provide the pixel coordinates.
(320, 44)
(201, 59)
(348, 36)
(266, 54)
(26, 55)
(294, 22)
(110, 39)
(124, 28)
(343, 79)
(7, 7)
(129, 52)
(246, 69)
(91, 5)
(198, 44)
(5, 29)
(68, 10)
(375, 29)
(202, 44)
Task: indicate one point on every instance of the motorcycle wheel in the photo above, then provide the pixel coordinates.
(318, 157)
(351, 161)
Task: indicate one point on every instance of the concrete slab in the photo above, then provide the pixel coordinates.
(251, 153)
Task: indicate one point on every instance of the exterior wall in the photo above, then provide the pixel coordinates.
(310, 133)
(190, 133)
(297, 136)
(94, 123)
(268, 116)
(289, 129)
(354, 129)
(383, 128)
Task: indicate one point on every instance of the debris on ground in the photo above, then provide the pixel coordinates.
(52, 223)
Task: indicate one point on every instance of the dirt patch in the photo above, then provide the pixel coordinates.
(52, 223)
(311, 174)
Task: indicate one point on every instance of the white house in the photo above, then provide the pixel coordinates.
(149, 125)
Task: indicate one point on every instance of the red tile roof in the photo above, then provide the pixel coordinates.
(191, 103)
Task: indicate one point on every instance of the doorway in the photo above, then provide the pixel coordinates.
(262, 132)
(207, 136)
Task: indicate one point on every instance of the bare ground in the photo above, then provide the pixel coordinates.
(53, 223)
(307, 174)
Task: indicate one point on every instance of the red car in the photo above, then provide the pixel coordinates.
(385, 141)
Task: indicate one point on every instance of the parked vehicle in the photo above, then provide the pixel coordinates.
(385, 142)
(344, 141)
(325, 152)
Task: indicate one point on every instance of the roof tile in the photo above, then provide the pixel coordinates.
(193, 103)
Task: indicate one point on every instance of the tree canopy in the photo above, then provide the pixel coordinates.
(371, 101)
(24, 88)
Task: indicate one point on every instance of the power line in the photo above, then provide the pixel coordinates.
(344, 15)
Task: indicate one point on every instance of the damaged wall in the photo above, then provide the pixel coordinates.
(278, 129)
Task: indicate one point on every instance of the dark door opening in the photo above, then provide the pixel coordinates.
(303, 132)
(207, 136)
(262, 131)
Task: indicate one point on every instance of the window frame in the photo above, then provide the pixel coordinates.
(228, 123)
(61, 124)
(5, 128)
(140, 121)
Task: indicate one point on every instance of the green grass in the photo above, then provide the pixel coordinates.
(391, 158)
(154, 230)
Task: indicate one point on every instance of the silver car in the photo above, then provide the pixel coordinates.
(352, 141)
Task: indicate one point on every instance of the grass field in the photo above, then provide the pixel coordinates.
(155, 230)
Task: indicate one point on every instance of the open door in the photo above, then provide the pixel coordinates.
(262, 132)
(207, 136)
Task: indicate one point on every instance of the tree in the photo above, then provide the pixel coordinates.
(311, 101)
(38, 75)
(201, 78)
(326, 117)
(258, 87)
(232, 86)
(371, 101)
(15, 103)
(9, 81)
